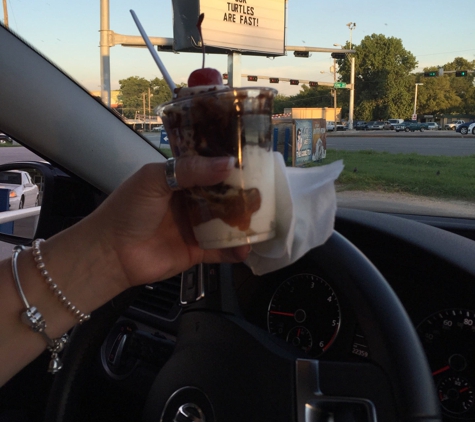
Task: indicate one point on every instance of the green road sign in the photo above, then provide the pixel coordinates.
(339, 85)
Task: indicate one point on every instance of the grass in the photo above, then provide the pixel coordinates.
(432, 176)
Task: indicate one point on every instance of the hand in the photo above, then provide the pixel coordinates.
(145, 229)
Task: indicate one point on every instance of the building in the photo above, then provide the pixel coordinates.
(327, 113)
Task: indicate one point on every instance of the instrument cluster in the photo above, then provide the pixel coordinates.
(306, 311)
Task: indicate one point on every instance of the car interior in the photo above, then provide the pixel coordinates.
(377, 324)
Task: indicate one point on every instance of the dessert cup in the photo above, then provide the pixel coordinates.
(229, 122)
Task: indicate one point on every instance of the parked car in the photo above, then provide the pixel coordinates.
(463, 128)
(330, 126)
(432, 126)
(387, 126)
(376, 324)
(395, 121)
(157, 128)
(471, 129)
(341, 127)
(374, 125)
(23, 192)
(359, 125)
(5, 138)
(410, 126)
(454, 125)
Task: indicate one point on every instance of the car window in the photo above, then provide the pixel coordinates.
(10, 177)
(400, 73)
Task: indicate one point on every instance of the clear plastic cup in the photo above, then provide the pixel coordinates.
(232, 122)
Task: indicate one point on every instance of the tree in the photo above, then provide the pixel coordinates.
(307, 97)
(382, 78)
(463, 86)
(436, 96)
(135, 91)
(448, 94)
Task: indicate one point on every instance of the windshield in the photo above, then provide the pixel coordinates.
(10, 178)
(349, 69)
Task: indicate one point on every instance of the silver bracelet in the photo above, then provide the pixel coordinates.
(81, 316)
(33, 319)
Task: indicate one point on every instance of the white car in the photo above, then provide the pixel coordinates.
(157, 128)
(432, 126)
(23, 192)
(4, 138)
(471, 129)
(330, 126)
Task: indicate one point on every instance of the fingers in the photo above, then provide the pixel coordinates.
(202, 171)
(230, 255)
(189, 172)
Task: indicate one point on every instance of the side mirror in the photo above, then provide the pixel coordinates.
(20, 200)
(52, 201)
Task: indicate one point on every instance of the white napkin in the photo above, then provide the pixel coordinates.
(305, 208)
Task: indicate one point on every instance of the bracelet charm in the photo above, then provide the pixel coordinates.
(33, 319)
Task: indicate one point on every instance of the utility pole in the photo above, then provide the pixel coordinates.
(5, 13)
(144, 111)
(334, 91)
(352, 93)
(414, 114)
(105, 54)
(149, 113)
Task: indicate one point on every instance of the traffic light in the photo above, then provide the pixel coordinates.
(252, 78)
(338, 55)
(301, 54)
(225, 76)
(274, 80)
(294, 82)
(430, 74)
(313, 84)
(461, 73)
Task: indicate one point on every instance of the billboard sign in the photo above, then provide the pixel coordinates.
(300, 141)
(303, 141)
(255, 27)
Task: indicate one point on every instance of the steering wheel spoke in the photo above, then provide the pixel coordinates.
(331, 391)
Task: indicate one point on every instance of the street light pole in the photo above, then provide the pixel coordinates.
(149, 111)
(414, 115)
(352, 94)
(105, 53)
(334, 91)
(5, 13)
(351, 26)
(144, 111)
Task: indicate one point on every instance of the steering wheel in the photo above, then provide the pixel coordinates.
(226, 369)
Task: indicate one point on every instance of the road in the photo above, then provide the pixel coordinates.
(441, 142)
(11, 154)
(426, 143)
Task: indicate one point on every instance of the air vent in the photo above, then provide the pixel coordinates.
(160, 299)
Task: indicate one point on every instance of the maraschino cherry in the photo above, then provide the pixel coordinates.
(205, 75)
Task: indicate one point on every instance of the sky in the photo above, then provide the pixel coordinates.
(434, 31)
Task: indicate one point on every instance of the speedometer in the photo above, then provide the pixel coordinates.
(448, 338)
(304, 311)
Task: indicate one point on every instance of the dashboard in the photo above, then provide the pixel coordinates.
(304, 308)
(432, 271)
